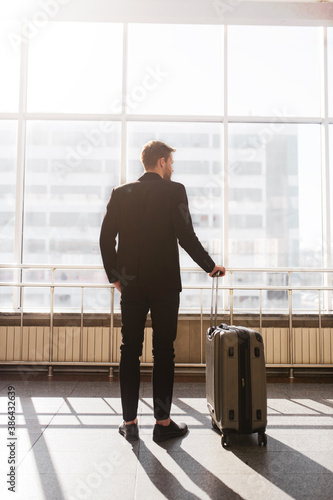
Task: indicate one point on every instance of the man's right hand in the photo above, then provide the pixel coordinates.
(220, 270)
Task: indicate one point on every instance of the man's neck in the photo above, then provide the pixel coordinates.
(156, 170)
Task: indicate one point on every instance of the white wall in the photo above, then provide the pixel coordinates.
(172, 11)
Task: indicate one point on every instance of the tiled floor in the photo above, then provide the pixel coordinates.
(68, 445)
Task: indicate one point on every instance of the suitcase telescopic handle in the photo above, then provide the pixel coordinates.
(215, 278)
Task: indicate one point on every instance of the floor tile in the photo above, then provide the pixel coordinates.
(95, 485)
(69, 447)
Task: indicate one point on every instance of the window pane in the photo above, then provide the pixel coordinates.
(330, 70)
(8, 145)
(6, 297)
(66, 298)
(273, 71)
(76, 67)
(331, 183)
(71, 168)
(308, 300)
(197, 165)
(37, 299)
(275, 219)
(10, 66)
(175, 69)
(331, 202)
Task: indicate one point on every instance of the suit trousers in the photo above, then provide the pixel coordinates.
(135, 303)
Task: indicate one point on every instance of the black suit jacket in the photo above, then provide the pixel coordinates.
(149, 216)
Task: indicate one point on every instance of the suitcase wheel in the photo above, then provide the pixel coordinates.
(225, 440)
(215, 426)
(262, 439)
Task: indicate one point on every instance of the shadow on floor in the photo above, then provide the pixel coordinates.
(44, 463)
(291, 471)
(167, 482)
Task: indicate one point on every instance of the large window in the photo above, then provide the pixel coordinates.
(175, 70)
(10, 69)
(274, 170)
(250, 153)
(71, 168)
(331, 183)
(76, 68)
(330, 69)
(8, 149)
(273, 71)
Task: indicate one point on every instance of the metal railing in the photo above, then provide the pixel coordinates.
(228, 308)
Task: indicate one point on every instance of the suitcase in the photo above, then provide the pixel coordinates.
(236, 380)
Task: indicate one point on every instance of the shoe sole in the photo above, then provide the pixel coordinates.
(159, 439)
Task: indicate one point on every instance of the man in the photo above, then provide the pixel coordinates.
(149, 216)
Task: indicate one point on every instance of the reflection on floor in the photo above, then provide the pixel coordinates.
(68, 445)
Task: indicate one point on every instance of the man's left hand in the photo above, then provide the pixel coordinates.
(218, 269)
(117, 285)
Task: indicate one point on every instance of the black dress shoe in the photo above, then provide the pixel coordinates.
(164, 432)
(130, 432)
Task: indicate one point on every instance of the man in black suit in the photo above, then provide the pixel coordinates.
(150, 216)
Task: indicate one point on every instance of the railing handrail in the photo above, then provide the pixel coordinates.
(183, 269)
(187, 287)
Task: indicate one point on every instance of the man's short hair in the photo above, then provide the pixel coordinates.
(153, 151)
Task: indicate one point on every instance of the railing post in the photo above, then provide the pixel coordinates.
(321, 352)
(291, 336)
(50, 373)
(231, 292)
(21, 325)
(328, 294)
(260, 311)
(111, 371)
(201, 327)
(225, 292)
(81, 326)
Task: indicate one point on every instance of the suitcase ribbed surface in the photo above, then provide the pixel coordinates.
(236, 379)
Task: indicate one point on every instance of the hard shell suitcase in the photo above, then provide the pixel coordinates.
(236, 380)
